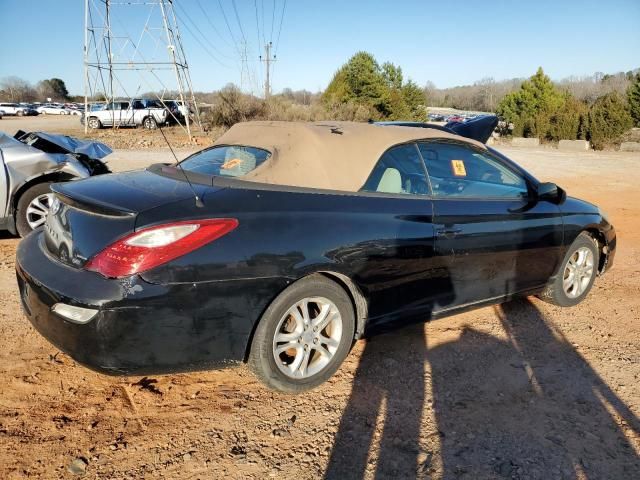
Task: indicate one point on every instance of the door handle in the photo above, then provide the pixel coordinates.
(448, 232)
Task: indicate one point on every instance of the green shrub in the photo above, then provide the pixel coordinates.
(609, 118)
(569, 121)
(232, 106)
(633, 95)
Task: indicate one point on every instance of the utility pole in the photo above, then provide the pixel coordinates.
(268, 60)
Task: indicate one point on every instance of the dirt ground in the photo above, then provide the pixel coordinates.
(122, 138)
(523, 390)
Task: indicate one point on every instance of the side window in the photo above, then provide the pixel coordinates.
(461, 171)
(399, 170)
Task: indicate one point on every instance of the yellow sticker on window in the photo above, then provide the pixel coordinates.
(231, 163)
(457, 166)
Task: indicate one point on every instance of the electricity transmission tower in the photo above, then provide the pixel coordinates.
(116, 61)
(268, 60)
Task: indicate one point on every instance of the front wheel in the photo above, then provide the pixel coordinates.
(576, 274)
(303, 336)
(33, 208)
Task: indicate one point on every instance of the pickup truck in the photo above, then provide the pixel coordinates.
(126, 113)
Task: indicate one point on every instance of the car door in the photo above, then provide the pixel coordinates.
(494, 237)
(396, 265)
(110, 114)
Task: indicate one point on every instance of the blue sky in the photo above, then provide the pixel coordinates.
(447, 42)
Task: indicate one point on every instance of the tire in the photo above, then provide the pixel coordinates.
(20, 113)
(150, 123)
(339, 329)
(94, 123)
(566, 293)
(24, 216)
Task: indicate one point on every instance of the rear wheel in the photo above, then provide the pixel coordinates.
(576, 274)
(303, 336)
(150, 123)
(20, 113)
(33, 208)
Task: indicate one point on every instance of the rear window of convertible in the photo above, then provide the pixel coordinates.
(226, 161)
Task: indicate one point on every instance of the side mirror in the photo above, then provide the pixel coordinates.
(550, 192)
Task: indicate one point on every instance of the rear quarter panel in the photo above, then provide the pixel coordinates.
(376, 241)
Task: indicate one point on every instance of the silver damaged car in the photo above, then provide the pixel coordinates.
(31, 162)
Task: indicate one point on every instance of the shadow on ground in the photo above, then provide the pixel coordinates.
(528, 408)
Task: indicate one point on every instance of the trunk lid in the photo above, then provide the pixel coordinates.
(90, 214)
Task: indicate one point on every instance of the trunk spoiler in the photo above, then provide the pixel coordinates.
(479, 128)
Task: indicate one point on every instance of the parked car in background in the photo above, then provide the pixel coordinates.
(455, 118)
(132, 113)
(53, 110)
(284, 242)
(17, 109)
(31, 162)
(75, 110)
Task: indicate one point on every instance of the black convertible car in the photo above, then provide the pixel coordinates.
(285, 242)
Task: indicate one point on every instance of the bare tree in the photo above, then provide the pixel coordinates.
(16, 89)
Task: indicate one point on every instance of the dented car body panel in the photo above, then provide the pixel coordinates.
(27, 158)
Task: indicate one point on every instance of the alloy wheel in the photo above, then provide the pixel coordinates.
(38, 210)
(307, 337)
(578, 272)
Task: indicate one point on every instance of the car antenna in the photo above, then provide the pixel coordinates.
(199, 202)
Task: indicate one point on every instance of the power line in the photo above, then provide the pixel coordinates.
(264, 30)
(255, 4)
(206, 15)
(273, 19)
(284, 5)
(235, 9)
(204, 37)
(226, 21)
(203, 46)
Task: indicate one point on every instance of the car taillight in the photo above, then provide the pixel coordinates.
(153, 246)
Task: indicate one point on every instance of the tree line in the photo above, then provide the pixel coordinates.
(541, 109)
(599, 108)
(15, 89)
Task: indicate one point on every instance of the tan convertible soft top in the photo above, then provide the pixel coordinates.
(327, 155)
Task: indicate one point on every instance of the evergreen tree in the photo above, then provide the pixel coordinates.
(380, 89)
(633, 95)
(609, 118)
(531, 107)
(569, 120)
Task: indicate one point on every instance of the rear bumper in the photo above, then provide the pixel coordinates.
(140, 328)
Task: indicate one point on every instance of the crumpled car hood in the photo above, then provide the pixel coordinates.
(91, 149)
